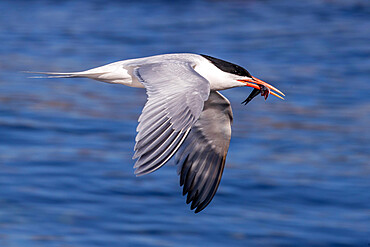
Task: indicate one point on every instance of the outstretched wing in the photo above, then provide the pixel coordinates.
(176, 95)
(201, 158)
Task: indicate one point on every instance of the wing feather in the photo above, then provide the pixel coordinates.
(176, 95)
(201, 158)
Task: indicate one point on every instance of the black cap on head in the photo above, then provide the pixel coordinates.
(227, 66)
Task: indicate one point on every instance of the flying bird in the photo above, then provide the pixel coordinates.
(185, 114)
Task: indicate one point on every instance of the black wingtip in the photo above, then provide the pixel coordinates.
(201, 207)
(197, 210)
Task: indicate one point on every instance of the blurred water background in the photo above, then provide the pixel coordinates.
(297, 171)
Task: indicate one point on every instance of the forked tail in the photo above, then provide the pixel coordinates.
(110, 73)
(62, 74)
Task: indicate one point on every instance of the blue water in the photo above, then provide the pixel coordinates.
(297, 171)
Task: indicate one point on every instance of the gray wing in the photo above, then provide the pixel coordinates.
(201, 159)
(176, 95)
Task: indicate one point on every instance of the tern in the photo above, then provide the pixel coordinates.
(185, 114)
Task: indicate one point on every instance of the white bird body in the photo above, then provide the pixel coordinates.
(121, 72)
(185, 114)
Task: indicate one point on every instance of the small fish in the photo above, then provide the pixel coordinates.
(263, 90)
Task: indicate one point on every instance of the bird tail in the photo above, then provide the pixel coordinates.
(110, 73)
(63, 74)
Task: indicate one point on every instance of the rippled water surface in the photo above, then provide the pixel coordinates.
(297, 171)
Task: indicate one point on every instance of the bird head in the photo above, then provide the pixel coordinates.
(240, 74)
(259, 86)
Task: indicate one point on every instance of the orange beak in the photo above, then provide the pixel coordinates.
(255, 83)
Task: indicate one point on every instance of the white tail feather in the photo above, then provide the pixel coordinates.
(60, 74)
(110, 73)
(48, 75)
